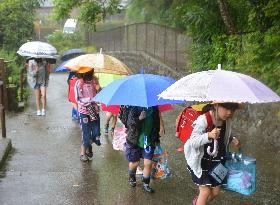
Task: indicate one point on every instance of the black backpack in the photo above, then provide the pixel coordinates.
(123, 114)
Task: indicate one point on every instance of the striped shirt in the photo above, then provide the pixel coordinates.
(84, 92)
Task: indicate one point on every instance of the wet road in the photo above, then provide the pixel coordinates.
(44, 167)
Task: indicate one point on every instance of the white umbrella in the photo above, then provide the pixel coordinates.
(37, 49)
(220, 86)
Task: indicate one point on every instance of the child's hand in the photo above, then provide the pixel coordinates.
(142, 116)
(214, 134)
(236, 142)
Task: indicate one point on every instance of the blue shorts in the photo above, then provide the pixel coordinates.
(134, 153)
(90, 129)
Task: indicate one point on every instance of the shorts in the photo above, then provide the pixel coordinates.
(135, 153)
(38, 85)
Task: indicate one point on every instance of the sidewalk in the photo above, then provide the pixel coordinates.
(44, 166)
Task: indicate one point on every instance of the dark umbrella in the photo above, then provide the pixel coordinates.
(67, 55)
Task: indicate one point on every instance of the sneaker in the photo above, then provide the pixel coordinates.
(106, 130)
(84, 158)
(39, 113)
(147, 188)
(97, 141)
(194, 200)
(43, 112)
(132, 181)
(89, 153)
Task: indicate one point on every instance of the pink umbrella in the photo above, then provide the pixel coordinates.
(220, 86)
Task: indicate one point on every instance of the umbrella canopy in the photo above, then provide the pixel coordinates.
(67, 55)
(220, 86)
(136, 90)
(37, 49)
(105, 78)
(101, 63)
(61, 68)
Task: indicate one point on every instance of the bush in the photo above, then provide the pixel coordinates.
(13, 70)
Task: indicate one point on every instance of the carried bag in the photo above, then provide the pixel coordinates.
(241, 175)
(219, 172)
(161, 168)
(92, 112)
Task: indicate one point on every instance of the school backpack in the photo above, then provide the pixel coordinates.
(185, 120)
(123, 114)
(71, 89)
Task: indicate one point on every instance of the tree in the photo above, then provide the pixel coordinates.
(90, 11)
(14, 29)
(242, 35)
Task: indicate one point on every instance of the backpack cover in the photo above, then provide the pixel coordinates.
(185, 120)
(123, 114)
(71, 90)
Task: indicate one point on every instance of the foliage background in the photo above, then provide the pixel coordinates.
(252, 49)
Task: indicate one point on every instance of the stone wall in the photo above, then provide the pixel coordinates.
(257, 125)
(137, 60)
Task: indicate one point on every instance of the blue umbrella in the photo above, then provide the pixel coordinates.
(61, 68)
(136, 90)
(67, 55)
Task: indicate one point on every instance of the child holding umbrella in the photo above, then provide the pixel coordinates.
(200, 159)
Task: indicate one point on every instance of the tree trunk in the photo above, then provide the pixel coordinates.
(226, 17)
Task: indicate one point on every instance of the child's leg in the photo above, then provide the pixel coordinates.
(86, 132)
(132, 155)
(95, 128)
(204, 194)
(147, 168)
(147, 175)
(215, 191)
(37, 98)
(114, 122)
(107, 121)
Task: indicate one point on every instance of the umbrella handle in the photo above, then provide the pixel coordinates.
(215, 150)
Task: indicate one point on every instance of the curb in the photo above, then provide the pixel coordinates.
(5, 148)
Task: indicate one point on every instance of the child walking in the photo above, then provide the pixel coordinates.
(86, 88)
(144, 127)
(201, 160)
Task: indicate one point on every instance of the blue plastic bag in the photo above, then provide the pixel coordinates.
(241, 176)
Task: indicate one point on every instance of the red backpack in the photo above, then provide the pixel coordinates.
(185, 120)
(71, 90)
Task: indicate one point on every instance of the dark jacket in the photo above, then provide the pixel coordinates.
(134, 125)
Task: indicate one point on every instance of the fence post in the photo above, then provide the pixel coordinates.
(136, 36)
(21, 84)
(3, 78)
(176, 53)
(146, 37)
(164, 44)
(127, 41)
(154, 41)
(2, 111)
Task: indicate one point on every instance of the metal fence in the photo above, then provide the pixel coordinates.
(161, 42)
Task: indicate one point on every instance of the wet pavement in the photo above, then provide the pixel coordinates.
(44, 166)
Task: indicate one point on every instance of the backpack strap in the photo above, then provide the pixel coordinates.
(209, 121)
